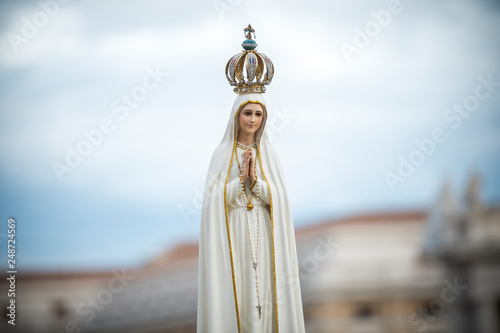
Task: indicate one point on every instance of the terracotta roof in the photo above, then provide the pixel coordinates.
(63, 275)
(369, 218)
(179, 253)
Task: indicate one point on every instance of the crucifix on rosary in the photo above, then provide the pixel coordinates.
(259, 307)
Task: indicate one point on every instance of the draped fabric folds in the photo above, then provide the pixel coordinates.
(219, 301)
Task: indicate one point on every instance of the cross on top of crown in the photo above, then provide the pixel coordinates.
(248, 32)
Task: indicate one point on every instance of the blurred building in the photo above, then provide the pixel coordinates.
(373, 280)
(435, 271)
(158, 297)
(464, 236)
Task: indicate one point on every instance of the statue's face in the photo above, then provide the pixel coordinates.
(251, 118)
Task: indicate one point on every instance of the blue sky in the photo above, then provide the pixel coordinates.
(341, 122)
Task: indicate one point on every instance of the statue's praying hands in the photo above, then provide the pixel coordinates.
(248, 166)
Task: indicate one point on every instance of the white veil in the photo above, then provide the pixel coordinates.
(217, 298)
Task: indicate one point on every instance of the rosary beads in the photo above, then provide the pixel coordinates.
(249, 206)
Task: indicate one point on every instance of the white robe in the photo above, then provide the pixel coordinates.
(226, 285)
(245, 275)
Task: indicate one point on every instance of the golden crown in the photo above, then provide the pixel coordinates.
(255, 63)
